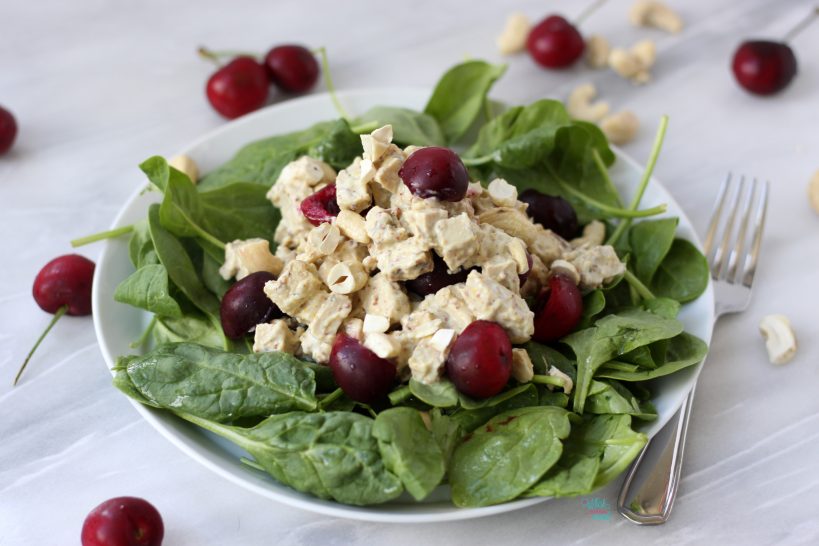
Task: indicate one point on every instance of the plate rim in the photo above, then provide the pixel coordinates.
(365, 513)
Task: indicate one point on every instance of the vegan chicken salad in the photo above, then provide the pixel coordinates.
(367, 312)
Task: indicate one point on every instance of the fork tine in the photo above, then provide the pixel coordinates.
(738, 252)
(751, 261)
(716, 213)
(717, 263)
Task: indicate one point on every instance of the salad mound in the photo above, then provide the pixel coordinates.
(404, 328)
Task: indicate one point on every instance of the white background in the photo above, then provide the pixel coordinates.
(99, 86)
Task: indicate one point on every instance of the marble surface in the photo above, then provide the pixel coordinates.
(98, 86)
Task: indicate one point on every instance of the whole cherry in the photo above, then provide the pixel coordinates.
(435, 172)
(8, 130)
(63, 286)
(292, 68)
(766, 67)
(239, 87)
(245, 305)
(480, 361)
(123, 521)
(555, 42)
(362, 375)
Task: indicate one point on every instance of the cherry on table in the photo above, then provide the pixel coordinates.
(239, 87)
(555, 43)
(435, 172)
(123, 521)
(321, 206)
(292, 68)
(552, 212)
(8, 130)
(766, 67)
(63, 286)
(245, 305)
(362, 375)
(480, 361)
(558, 311)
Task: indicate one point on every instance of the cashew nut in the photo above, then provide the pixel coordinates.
(352, 226)
(566, 269)
(522, 368)
(382, 344)
(376, 143)
(594, 233)
(186, 165)
(353, 327)
(620, 128)
(597, 51)
(650, 13)
(634, 63)
(325, 238)
(780, 339)
(813, 192)
(502, 193)
(375, 324)
(347, 277)
(581, 106)
(568, 385)
(518, 251)
(513, 37)
(442, 339)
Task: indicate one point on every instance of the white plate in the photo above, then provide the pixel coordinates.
(117, 325)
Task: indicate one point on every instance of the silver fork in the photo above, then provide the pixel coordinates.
(650, 487)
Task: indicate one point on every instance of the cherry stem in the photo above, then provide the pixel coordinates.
(328, 80)
(216, 56)
(803, 24)
(588, 11)
(60, 312)
(110, 234)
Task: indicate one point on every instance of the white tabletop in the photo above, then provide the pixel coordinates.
(98, 86)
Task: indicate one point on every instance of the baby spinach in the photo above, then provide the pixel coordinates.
(148, 288)
(593, 304)
(222, 386)
(681, 351)
(409, 450)
(460, 96)
(683, 274)
(470, 419)
(508, 455)
(140, 246)
(439, 395)
(447, 433)
(649, 242)
(192, 327)
(408, 126)
(610, 397)
(612, 336)
(472, 403)
(331, 455)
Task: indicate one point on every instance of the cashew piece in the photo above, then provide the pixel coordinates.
(620, 128)
(650, 13)
(352, 226)
(347, 277)
(597, 51)
(567, 269)
(780, 339)
(581, 106)
(513, 37)
(522, 368)
(325, 238)
(813, 192)
(186, 165)
(375, 324)
(634, 64)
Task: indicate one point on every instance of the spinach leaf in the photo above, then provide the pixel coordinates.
(408, 126)
(211, 277)
(460, 95)
(681, 351)
(338, 147)
(221, 386)
(140, 246)
(148, 288)
(447, 433)
(544, 357)
(573, 161)
(192, 327)
(649, 242)
(683, 274)
(593, 304)
(331, 455)
(262, 161)
(472, 403)
(572, 476)
(507, 456)
(665, 307)
(440, 395)
(613, 398)
(180, 268)
(409, 450)
(470, 419)
(612, 336)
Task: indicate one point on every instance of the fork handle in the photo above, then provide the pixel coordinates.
(650, 487)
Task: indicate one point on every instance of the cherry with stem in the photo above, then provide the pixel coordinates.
(555, 42)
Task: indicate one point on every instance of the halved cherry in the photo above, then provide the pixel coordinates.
(558, 310)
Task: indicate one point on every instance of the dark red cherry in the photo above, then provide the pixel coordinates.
(480, 361)
(123, 521)
(362, 375)
(558, 310)
(65, 281)
(435, 172)
(764, 67)
(239, 87)
(321, 206)
(8, 130)
(439, 277)
(555, 43)
(245, 305)
(552, 212)
(292, 68)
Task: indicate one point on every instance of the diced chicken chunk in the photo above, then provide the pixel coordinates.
(275, 336)
(249, 256)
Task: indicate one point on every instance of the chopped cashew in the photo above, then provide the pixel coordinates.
(352, 226)
(580, 105)
(620, 128)
(567, 269)
(502, 193)
(650, 13)
(594, 233)
(780, 339)
(375, 324)
(442, 339)
(186, 165)
(353, 327)
(813, 192)
(325, 238)
(513, 37)
(597, 51)
(522, 368)
(568, 385)
(634, 63)
(347, 277)
(382, 344)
